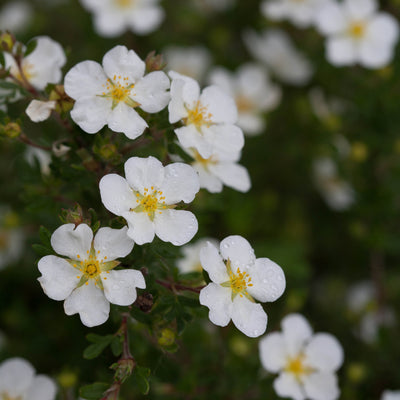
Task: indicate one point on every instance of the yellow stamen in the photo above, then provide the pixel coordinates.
(357, 30)
(199, 116)
(238, 282)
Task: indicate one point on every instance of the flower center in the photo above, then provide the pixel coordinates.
(205, 162)
(357, 30)
(297, 367)
(123, 3)
(238, 282)
(27, 71)
(6, 396)
(199, 115)
(150, 202)
(118, 90)
(243, 104)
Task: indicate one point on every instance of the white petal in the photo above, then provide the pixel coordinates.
(273, 354)
(218, 300)
(90, 303)
(208, 180)
(85, 79)
(219, 104)
(212, 262)
(42, 388)
(286, 385)
(324, 352)
(144, 173)
(121, 61)
(330, 19)
(112, 243)
(238, 250)
(297, 332)
(321, 386)
(375, 55)
(108, 24)
(125, 119)
(146, 19)
(360, 9)
(232, 175)
(120, 286)
(116, 194)
(175, 226)
(341, 51)
(190, 91)
(16, 375)
(91, 113)
(225, 137)
(383, 29)
(141, 228)
(39, 111)
(248, 317)
(181, 183)
(151, 92)
(268, 280)
(176, 107)
(189, 136)
(58, 278)
(251, 124)
(69, 241)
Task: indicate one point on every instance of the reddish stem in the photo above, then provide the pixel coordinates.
(177, 286)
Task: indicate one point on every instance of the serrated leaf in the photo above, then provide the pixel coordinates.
(30, 47)
(94, 391)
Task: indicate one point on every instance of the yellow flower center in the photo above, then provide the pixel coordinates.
(124, 3)
(243, 104)
(199, 116)
(6, 396)
(27, 71)
(118, 90)
(297, 367)
(238, 282)
(205, 162)
(150, 202)
(357, 30)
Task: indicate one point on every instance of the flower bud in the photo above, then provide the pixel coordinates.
(12, 130)
(167, 337)
(154, 62)
(7, 41)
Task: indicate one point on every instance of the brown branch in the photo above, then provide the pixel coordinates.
(176, 286)
(24, 139)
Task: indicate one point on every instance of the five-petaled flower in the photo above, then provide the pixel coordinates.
(18, 381)
(86, 279)
(208, 117)
(238, 278)
(306, 363)
(147, 199)
(110, 94)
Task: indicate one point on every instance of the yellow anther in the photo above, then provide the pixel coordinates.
(199, 116)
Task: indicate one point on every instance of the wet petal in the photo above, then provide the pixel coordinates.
(218, 300)
(212, 262)
(112, 243)
(238, 250)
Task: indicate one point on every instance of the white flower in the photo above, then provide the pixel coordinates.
(148, 196)
(33, 154)
(39, 111)
(274, 48)
(108, 95)
(357, 33)
(237, 279)
(15, 16)
(391, 395)
(113, 17)
(253, 93)
(306, 363)
(362, 301)
(189, 61)
(208, 117)
(221, 168)
(190, 262)
(18, 381)
(42, 66)
(337, 193)
(86, 279)
(299, 12)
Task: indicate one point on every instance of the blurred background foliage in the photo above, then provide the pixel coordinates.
(323, 251)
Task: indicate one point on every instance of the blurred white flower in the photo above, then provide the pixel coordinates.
(306, 362)
(189, 61)
(337, 193)
(148, 196)
(11, 238)
(324, 107)
(19, 381)
(86, 279)
(42, 156)
(15, 16)
(391, 395)
(357, 33)
(190, 262)
(40, 67)
(362, 301)
(253, 93)
(274, 48)
(209, 117)
(221, 168)
(39, 111)
(300, 13)
(238, 278)
(108, 94)
(113, 17)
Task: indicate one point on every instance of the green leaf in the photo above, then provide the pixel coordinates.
(116, 346)
(9, 85)
(41, 250)
(30, 47)
(94, 391)
(99, 344)
(45, 236)
(188, 301)
(140, 378)
(2, 60)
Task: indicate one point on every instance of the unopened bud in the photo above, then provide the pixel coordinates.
(7, 41)
(123, 368)
(167, 337)
(74, 216)
(12, 130)
(154, 62)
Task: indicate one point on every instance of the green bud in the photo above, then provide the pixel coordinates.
(7, 41)
(167, 337)
(12, 130)
(123, 368)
